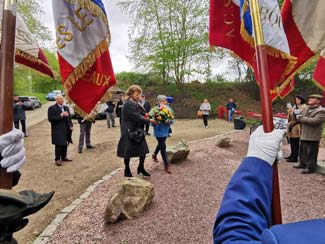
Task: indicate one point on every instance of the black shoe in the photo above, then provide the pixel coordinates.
(127, 172)
(148, 134)
(292, 160)
(80, 151)
(287, 157)
(113, 126)
(307, 171)
(90, 147)
(299, 166)
(143, 172)
(66, 160)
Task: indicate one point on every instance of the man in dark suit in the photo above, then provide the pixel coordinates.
(144, 103)
(19, 114)
(61, 129)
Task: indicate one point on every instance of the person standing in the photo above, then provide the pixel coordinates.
(245, 212)
(205, 108)
(133, 142)
(311, 120)
(110, 114)
(144, 103)
(161, 132)
(61, 129)
(118, 109)
(19, 114)
(231, 107)
(294, 128)
(85, 129)
(170, 100)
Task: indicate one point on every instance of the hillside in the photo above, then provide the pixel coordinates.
(188, 97)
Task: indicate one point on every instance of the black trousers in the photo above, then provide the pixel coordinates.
(146, 127)
(23, 125)
(294, 145)
(308, 154)
(162, 148)
(60, 152)
(205, 119)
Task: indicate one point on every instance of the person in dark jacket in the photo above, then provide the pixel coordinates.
(133, 121)
(61, 129)
(144, 103)
(118, 109)
(244, 216)
(231, 107)
(19, 114)
(85, 129)
(110, 114)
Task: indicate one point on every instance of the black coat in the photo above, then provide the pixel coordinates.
(132, 119)
(19, 111)
(147, 106)
(60, 127)
(118, 109)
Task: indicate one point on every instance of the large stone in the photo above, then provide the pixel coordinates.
(224, 142)
(129, 199)
(178, 153)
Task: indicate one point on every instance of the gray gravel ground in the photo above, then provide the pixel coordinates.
(187, 201)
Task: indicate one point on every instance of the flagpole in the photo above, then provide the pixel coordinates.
(266, 103)
(7, 56)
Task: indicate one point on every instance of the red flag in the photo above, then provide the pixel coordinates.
(319, 74)
(84, 59)
(225, 31)
(303, 22)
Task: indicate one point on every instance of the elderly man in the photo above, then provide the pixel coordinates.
(311, 120)
(146, 105)
(61, 125)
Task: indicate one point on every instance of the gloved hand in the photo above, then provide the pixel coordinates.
(266, 146)
(296, 111)
(12, 150)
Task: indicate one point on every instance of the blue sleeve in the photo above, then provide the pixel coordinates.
(245, 210)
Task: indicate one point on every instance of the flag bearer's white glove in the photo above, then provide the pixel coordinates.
(266, 146)
(12, 150)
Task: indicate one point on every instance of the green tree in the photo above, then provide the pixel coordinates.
(31, 13)
(169, 37)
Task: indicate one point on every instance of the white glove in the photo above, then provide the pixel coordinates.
(289, 105)
(12, 150)
(266, 146)
(296, 111)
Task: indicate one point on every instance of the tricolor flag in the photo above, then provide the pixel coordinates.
(231, 28)
(82, 41)
(304, 23)
(28, 52)
(319, 73)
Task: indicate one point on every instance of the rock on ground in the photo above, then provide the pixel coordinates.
(178, 152)
(129, 199)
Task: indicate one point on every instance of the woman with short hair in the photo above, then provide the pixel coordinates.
(133, 142)
(205, 108)
(161, 132)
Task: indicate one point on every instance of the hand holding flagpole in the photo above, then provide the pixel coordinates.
(266, 103)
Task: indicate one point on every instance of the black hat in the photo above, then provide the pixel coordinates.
(302, 98)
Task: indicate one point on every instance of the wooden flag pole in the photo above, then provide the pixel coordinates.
(266, 103)
(7, 59)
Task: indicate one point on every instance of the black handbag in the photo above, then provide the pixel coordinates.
(136, 136)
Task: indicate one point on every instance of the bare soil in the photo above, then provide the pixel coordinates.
(69, 181)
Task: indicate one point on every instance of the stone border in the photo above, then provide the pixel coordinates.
(45, 236)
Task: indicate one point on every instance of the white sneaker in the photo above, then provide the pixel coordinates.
(206, 127)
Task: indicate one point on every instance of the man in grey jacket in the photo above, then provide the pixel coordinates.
(311, 120)
(19, 114)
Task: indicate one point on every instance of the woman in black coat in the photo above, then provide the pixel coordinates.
(132, 142)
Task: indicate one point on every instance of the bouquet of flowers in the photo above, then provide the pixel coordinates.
(161, 115)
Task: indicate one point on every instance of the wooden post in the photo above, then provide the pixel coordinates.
(266, 103)
(7, 60)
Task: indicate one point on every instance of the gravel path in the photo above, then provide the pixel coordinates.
(186, 201)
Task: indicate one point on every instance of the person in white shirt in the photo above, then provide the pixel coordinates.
(205, 108)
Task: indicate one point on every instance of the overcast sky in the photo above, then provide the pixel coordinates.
(119, 24)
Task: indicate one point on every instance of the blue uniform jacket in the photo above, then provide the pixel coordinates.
(162, 129)
(244, 216)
